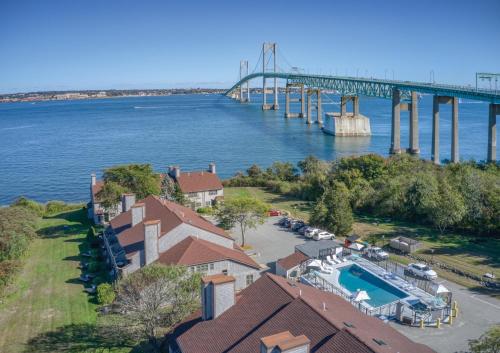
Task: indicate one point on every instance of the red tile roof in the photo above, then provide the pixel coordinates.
(272, 305)
(198, 181)
(169, 213)
(292, 260)
(96, 188)
(193, 251)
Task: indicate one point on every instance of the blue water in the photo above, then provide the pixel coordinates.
(48, 149)
(353, 277)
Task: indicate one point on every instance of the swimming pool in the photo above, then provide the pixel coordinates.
(354, 277)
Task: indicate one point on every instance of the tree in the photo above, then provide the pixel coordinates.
(284, 171)
(105, 294)
(156, 298)
(110, 194)
(254, 171)
(333, 211)
(449, 207)
(139, 179)
(244, 211)
(489, 342)
(171, 191)
(310, 165)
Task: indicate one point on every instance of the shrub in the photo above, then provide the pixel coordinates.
(105, 294)
(30, 204)
(205, 210)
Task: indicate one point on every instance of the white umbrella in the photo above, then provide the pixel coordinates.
(356, 246)
(360, 295)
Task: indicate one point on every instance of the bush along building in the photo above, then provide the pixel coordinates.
(275, 315)
(200, 188)
(96, 212)
(155, 230)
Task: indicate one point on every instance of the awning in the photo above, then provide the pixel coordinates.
(360, 295)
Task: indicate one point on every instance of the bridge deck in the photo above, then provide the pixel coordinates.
(376, 87)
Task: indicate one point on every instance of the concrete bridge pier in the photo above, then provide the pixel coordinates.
(396, 122)
(288, 100)
(411, 107)
(437, 100)
(310, 93)
(492, 132)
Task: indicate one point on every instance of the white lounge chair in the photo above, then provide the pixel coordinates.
(330, 261)
(335, 258)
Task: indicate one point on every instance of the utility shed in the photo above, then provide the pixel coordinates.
(313, 249)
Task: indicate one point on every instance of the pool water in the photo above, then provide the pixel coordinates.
(353, 277)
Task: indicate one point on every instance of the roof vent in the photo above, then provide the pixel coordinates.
(324, 306)
(300, 292)
(348, 324)
(379, 342)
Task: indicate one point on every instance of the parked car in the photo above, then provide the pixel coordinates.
(302, 229)
(422, 270)
(292, 223)
(274, 213)
(282, 222)
(323, 235)
(377, 253)
(310, 232)
(297, 226)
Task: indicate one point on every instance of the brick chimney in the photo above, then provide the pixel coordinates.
(152, 231)
(138, 213)
(128, 200)
(93, 179)
(217, 295)
(177, 172)
(211, 168)
(285, 342)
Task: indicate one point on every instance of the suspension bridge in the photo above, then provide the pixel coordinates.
(403, 94)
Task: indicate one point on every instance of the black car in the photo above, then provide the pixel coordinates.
(297, 226)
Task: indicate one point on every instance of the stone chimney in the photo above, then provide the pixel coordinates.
(211, 168)
(176, 172)
(93, 179)
(128, 200)
(152, 231)
(285, 342)
(138, 213)
(217, 295)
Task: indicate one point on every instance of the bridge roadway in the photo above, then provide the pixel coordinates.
(404, 95)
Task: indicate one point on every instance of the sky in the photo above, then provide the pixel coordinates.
(119, 44)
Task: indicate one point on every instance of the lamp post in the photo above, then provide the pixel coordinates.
(432, 256)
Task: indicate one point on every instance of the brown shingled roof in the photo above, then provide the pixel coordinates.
(198, 181)
(193, 251)
(292, 260)
(169, 213)
(272, 305)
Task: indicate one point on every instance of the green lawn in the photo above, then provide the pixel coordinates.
(45, 309)
(471, 254)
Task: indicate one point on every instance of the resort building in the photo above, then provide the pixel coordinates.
(157, 230)
(277, 315)
(289, 267)
(200, 188)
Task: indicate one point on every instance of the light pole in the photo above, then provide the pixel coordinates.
(432, 256)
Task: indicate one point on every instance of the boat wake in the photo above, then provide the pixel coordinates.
(17, 127)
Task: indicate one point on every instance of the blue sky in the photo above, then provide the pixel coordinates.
(88, 44)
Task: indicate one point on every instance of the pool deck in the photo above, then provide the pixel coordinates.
(413, 293)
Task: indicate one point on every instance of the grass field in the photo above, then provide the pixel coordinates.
(45, 309)
(471, 254)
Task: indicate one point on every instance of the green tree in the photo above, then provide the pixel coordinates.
(244, 211)
(139, 179)
(171, 191)
(310, 165)
(371, 166)
(156, 298)
(421, 196)
(333, 211)
(105, 294)
(284, 171)
(449, 207)
(254, 171)
(110, 194)
(489, 342)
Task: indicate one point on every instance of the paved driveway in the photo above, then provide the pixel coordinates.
(269, 241)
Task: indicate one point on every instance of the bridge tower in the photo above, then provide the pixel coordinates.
(244, 98)
(268, 50)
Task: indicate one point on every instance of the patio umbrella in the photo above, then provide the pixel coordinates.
(356, 246)
(360, 295)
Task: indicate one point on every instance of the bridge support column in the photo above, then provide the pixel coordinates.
(244, 98)
(396, 123)
(492, 132)
(343, 105)
(435, 130)
(454, 131)
(309, 110)
(414, 146)
(302, 101)
(287, 101)
(355, 105)
(318, 107)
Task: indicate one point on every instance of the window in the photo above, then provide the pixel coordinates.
(193, 194)
(249, 279)
(201, 268)
(224, 272)
(212, 192)
(212, 266)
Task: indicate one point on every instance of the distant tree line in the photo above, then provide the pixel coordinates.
(462, 196)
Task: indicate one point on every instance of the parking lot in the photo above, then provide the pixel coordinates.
(477, 312)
